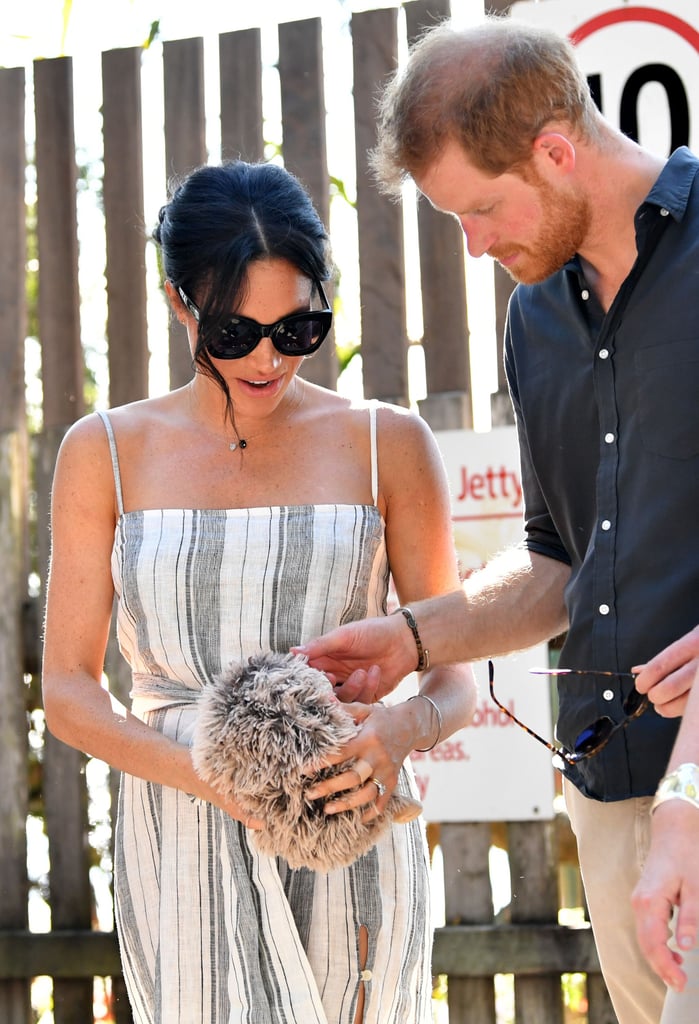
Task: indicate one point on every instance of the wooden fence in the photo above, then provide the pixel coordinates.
(472, 948)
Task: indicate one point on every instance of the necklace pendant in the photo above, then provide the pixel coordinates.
(233, 445)
(242, 443)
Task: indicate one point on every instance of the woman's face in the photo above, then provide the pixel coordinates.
(259, 380)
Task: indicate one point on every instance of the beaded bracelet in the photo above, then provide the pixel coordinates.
(423, 660)
(440, 723)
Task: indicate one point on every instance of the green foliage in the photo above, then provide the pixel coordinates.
(153, 34)
(153, 30)
(272, 150)
(32, 274)
(574, 997)
(345, 355)
(337, 188)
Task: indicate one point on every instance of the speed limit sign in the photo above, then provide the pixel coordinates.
(641, 60)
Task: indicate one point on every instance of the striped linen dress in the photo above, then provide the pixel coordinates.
(211, 931)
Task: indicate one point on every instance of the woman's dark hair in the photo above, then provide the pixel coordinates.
(222, 218)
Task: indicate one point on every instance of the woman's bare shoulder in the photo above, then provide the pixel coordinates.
(126, 420)
(404, 431)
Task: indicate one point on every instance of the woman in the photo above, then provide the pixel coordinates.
(247, 511)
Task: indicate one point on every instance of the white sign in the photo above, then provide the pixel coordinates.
(486, 492)
(492, 770)
(641, 60)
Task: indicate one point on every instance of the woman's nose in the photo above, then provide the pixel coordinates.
(265, 354)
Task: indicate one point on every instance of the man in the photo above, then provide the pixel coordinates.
(496, 126)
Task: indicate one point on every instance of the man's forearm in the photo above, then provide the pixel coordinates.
(512, 603)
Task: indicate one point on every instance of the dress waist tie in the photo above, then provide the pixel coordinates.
(153, 691)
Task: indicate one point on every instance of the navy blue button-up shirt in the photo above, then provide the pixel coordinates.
(607, 410)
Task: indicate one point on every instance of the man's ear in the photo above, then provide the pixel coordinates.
(554, 152)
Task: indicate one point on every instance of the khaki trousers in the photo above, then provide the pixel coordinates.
(613, 841)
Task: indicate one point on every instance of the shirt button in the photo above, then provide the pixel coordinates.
(606, 524)
(584, 294)
(609, 438)
(604, 609)
(604, 353)
(366, 976)
(608, 694)
(664, 212)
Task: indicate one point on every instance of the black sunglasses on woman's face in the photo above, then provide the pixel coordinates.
(596, 736)
(297, 335)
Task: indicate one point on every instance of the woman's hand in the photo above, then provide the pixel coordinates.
(203, 791)
(388, 733)
(377, 753)
(669, 881)
(668, 677)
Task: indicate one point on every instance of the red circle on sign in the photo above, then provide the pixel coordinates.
(649, 14)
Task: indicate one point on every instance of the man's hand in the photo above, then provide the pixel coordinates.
(667, 678)
(383, 648)
(360, 687)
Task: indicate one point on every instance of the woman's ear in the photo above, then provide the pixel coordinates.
(176, 304)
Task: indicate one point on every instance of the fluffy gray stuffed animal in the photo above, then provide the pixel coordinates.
(263, 730)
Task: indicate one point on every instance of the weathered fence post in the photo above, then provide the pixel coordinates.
(303, 143)
(14, 994)
(468, 899)
(124, 225)
(185, 149)
(240, 69)
(534, 883)
(126, 301)
(65, 794)
(381, 262)
(500, 405)
(447, 405)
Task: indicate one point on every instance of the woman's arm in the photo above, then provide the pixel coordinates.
(80, 711)
(670, 880)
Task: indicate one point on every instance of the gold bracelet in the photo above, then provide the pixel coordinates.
(680, 784)
(440, 723)
(423, 660)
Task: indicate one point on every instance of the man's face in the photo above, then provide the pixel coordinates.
(529, 224)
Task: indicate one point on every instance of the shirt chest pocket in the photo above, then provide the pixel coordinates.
(667, 380)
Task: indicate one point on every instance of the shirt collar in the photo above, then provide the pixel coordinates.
(674, 183)
(670, 192)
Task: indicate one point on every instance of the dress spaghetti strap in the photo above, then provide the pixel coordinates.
(115, 459)
(374, 453)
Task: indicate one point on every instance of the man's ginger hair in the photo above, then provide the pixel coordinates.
(491, 88)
